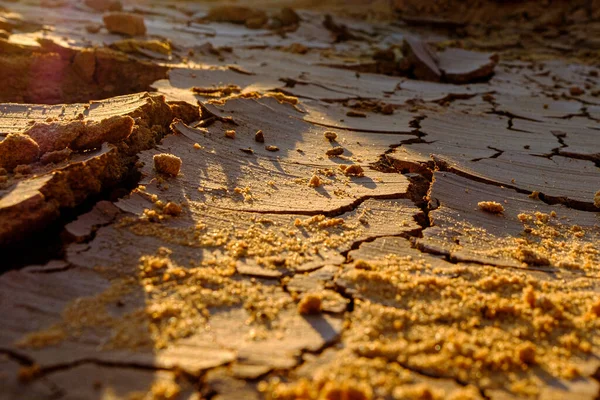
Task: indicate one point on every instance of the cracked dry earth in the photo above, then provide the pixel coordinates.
(325, 226)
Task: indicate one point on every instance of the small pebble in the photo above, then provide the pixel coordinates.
(330, 135)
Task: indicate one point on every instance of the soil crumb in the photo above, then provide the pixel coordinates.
(167, 164)
(310, 304)
(330, 135)
(125, 23)
(492, 207)
(17, 149)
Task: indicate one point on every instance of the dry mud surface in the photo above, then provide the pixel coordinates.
(200, 201)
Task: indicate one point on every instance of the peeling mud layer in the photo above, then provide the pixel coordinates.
(58, 161)
(277, 201)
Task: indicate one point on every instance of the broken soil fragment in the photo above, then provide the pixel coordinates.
(259, 136)
(354, 170)
(463, 66)
(330, 135)
(111, 130)
(173, 209)
(125, 23)
(184, 111)
(315, 181)
(310, 304)
(55, 157)
(334, 152)
(166, 163)
(53, 136)
(421, 60)
(38, 191)
(80, 135)
(453, 65)
(17, 149)
(492, 207)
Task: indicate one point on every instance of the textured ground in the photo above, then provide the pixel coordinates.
(237, 204)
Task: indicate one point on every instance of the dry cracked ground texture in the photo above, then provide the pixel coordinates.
(276, 208)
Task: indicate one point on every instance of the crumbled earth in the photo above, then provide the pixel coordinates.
(282, 200)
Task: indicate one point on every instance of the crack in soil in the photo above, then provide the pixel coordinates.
(550, 200)
(495, 155)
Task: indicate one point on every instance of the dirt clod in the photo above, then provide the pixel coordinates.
(167, 164)
(125, 23)
(230, 133)
(334, 152)
(259, 136)
(354, 170)
(310, 304)
(492, 207)
(330, 135)
(173, 209)
(526, 353)
(17, 149)
(315, 181)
